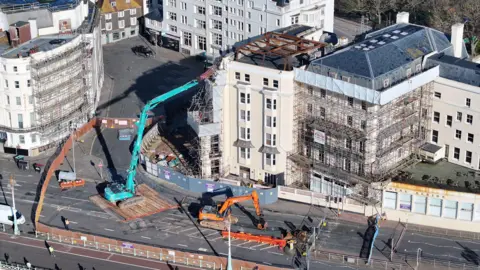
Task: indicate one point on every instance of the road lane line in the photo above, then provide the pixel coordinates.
(73, 222)
(216, 238)
(259, 245)
(109, 229)
(187, 229)
(83, 200)
(223, 254)
(267, 263)
(277, 253)
(267, 247)
(145, 237)
(182, 245)
(203, 249)
(215, 233)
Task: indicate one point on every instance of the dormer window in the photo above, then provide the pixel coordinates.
(386, 83)
(113, 3)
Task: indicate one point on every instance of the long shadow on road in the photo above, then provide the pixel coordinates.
(108, 157)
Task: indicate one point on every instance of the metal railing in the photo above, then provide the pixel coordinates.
(165, 257)
(18, 266)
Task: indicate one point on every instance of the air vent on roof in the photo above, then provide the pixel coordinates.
(373, 41)
(371, 47)
(386, 35)
(396, 31)
(381, 42)
(358, 47)
(404, 33)
(394, 37)
(363, 45)
(366, 49)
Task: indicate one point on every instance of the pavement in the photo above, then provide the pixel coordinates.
(349, 29)
(21, 250)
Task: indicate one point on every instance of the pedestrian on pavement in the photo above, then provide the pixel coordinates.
(29, 265)
(67, 222)
(7, 257)
(51, 250)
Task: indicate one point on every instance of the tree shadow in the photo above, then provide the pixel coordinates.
(106, 152)
(469, 255)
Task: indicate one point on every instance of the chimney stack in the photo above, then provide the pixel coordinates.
(403, 17)
(457, 39)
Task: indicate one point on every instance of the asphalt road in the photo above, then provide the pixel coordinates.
(349, 29)
(22, 250)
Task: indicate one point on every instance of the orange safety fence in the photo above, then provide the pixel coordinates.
(76, 238)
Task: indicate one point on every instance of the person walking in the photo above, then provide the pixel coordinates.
(51, 250)
(29, 265)
(67, 222)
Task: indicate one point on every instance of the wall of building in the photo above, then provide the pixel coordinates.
(449, 100)
(112, 32)
(238, 20)
(432, 207)
(76, 17)
(258, 94)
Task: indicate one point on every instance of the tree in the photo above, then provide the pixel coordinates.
(470, 13)
(373, 10)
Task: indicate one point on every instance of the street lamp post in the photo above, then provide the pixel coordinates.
(73, 127)
(229, 260)
(14, 210)
(419, 252)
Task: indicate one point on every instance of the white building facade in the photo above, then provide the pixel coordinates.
(212, 25)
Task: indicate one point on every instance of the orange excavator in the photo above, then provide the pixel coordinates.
(214, 217)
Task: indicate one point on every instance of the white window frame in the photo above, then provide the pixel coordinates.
(201, 40)
(120, 14)
(270, 159)
(184, 19)
(121, 24)
(133, 11)
(133, 21)
(201, 10)
(245, 153)
(108, 16)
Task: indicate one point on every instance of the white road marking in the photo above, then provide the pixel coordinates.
(182, 245)
(277, 253)
(216, 238)
(42, 216)
(73, 222)
(223, 254)
(29, 175)
(75, 199)
(109, 229)
(186, 230)
(145, 237)
(215, 233)
(246, 242)
(267, 247)
(202, 249)
(259, 245)
(267, 263)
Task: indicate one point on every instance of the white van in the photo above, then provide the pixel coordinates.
(6, 215)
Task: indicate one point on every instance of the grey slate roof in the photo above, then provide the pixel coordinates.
(430, 147)
(385, 50)
(155, 15)
(456, 69)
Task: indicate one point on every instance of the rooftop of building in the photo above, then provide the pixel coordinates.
(442, 175)
(155, 14)
(9, 6)
(120, 5)
(39, 44)
(385, 50)
(280, 49)
(456, 69)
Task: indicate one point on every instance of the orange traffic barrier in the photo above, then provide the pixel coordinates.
(256, 238)
(71, 184)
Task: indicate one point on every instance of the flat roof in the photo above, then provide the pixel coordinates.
(430, 147)
(456, 69)
(43, 44)
(442, 175)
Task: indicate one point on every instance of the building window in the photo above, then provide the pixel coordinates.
(466, 211)
(108, 26)
(184, 6)
(271, 104)
(245, 133)
(450, 209)
(22, 139)
(265, 81)
(405, 202)
(245, 153)
(201, 24)
(133, 21)
(456, 153)
(438, 95)
(8, 100)
(348, 143)
(133, 11)
(201, 10)
(294, 19)
(469, 119)
(172, 16)
(217, 39)
(323, 93)
(187, 39)
(467, 102)
(361, 147)
(217, 11)
(30, 99)
(216, 24)
(350, 120)
(28, 83)
(247, 77)
(15, 68)
(19, 101)
(449, 120)
(270, 159)
(121, 24)
(347, 165)
(386, 83)
(322, 112)
(275, 84)
(435, 136)
(468, 157)
(363, 125)
(364, 105)
(108, 16)
(249, 28)
(435, 207)
(202, 43)
(244, 98)
(420, 203)
(459, 116)
(409, 72)
(6, 83)
(172, 3)
(173, 28)
(120, 14)
(17, 84)
(390, 200)
(245, 115)
(458, 134)
(33, 119)
(270, 139)
(470, 137)
(350, 101)
(271, 121)
(237, 75)
(436, 117)
(184, 19)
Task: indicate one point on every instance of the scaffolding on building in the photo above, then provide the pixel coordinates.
(60, 90)
(352, 143)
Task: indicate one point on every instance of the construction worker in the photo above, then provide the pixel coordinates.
(51, 250)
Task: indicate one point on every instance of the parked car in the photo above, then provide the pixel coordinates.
(143, 51)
